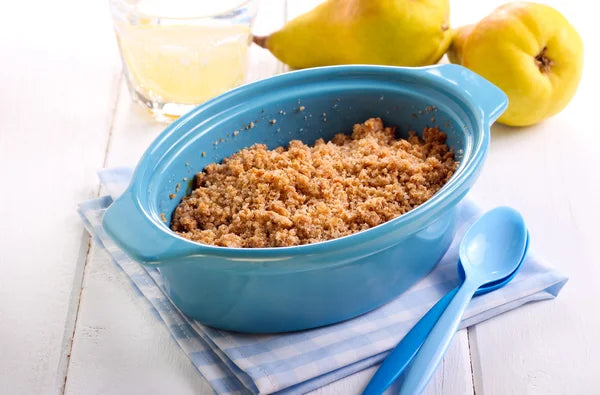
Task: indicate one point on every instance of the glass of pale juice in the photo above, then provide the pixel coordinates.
(177, 54)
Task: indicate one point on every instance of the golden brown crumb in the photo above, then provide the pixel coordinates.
(302, 108)
(172, 196)
(300, 195)
(163, 217)
(177, 187)
(203, 153)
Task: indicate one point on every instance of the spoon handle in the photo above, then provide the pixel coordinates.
(433, 349)
(397, 360)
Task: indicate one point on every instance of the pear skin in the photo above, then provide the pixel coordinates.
(458, 42)
(389, 32)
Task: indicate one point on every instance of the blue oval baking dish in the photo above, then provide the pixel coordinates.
(291, 288)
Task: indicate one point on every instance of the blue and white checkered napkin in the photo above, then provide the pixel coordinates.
(301, 361)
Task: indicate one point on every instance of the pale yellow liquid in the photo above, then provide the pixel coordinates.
(184, 64)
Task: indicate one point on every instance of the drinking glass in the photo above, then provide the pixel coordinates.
(177, 54)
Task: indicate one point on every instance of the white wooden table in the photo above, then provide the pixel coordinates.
(70, 322)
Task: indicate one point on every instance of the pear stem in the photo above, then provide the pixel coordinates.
(261, 41)
(544, 63)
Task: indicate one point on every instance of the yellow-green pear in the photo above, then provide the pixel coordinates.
(389, 32)
(528, 50)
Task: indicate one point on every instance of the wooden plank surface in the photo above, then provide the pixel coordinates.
(66, 113)
(58, 79)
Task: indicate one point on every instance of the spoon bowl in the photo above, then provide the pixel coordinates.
(493, 246)
(491, 286)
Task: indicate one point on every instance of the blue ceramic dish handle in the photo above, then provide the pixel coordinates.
(136, 233)
(490, 99)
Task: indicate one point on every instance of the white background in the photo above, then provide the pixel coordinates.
(70, 322)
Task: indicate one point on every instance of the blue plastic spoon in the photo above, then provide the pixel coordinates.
(397, 361)
(491, 250)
